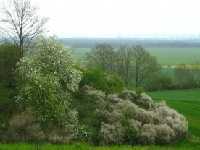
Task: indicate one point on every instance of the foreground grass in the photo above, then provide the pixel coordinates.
(180, 146)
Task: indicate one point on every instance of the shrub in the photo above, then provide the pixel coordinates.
(24, 127)
(144, 101)
(148, 134)
(173, 119)
(160, 82)
(127, 94)
(46, 82)
(111, 133)
(185, 77)
(129, 118)
(89, 103)
(107, 82)
(9, 56)
(139, 90)
(165, 134)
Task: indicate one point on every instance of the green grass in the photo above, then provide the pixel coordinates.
(194, 146)
(165, 55)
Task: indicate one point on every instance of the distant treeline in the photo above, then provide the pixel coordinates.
(116, 42)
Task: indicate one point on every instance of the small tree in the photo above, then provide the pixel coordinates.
(21, 23)
(46, 81)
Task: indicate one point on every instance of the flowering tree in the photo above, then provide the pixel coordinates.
(46, 81)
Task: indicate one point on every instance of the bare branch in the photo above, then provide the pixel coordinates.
(21, 22)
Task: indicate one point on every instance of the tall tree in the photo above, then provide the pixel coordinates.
(145, 65)
(103, 57)
(124, 63)
(21, 23)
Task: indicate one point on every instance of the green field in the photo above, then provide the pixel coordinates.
(177, 55)
(186, 102)
(165, 55)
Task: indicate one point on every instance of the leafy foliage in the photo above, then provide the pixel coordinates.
(102, 56)
(46, 80)
(9, 56)
(107, 82)
(132, 63)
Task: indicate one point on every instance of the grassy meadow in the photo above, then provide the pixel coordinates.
(176, 55)
(165, 55)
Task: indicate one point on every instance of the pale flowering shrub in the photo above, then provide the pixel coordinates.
(147, 134)
(128, 118)
(46, 80)
(24, 127)
(21, 120)
(142, 99)
(146, 117)
(164, 134)
(145, 101)
(152, 134)
(111, 133)
(127, 94)
(173, 119)
(62, 135)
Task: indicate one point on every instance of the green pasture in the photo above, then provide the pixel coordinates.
(165, 55)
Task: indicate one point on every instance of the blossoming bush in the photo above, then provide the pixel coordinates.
(24, 127)
(46, 80)
(128, 118)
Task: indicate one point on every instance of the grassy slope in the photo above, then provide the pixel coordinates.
(185, 101)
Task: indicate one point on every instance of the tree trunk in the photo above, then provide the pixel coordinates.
(21, 42)
(136, 74)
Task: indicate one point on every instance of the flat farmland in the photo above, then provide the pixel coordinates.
(164, 55)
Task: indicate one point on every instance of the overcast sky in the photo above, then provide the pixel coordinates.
(121, 18)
